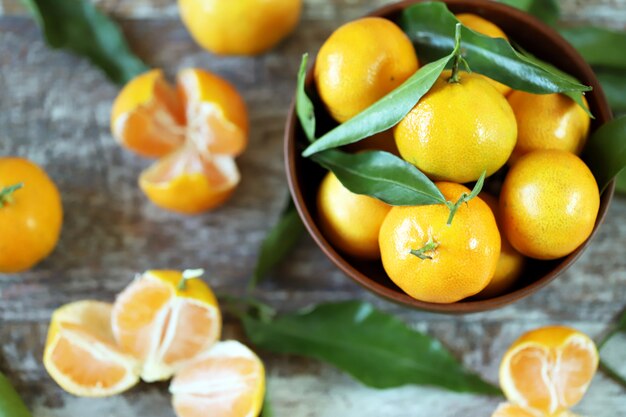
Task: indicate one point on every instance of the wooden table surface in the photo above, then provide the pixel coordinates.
(54, 109)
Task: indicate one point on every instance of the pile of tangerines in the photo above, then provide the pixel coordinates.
(467, 124)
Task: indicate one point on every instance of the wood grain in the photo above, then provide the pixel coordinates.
(54, 109)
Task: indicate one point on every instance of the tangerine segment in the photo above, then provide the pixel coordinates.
(148, 117)
(512, 410)
(190, 183)
(229, 380)
(217, 118)
(549, 369)
(81, 354)
(164, 326)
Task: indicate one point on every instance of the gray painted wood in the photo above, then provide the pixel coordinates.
(54, 109)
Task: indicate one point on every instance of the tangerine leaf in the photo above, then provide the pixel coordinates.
(278, 242)
(431, 27)
(546, 10)
(11, 404)
(386, 112)
(598, 45)
(304, 105)
(605, 152)
(375, 348)
(613, 352)
(78, 26)
(381, 175)
(614, 86)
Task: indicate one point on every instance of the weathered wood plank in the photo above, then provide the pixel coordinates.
(54, 109)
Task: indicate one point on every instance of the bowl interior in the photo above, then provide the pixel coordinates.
(304, 176)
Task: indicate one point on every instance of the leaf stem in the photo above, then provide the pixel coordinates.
(187, 275)
(458, 56)
(6, 194)
(465, 197)
(430, 246)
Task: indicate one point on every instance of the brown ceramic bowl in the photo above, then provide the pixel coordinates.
(305, 176)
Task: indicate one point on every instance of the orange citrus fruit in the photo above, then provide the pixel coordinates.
(229, 380)
(510, 263)
(350, 221)
(548, 204)
(360, 63)
(487, 28)
(460, 258)
(197, 129)
(165, 320)
(242, 27)
(458, 130)
(31, 214)
(548, 369)
(548, 121)
(512, 410)
(81, 354)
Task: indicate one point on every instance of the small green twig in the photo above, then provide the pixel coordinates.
(458, 56)
(430, 246)
(187, 275)
(242, 306)
(6, 194)
(465, 198)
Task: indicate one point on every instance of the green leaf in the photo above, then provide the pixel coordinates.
(621, 182)
(386, 112)
(614, 86)
(11, 405)
(381, 175)
(374, 347)
(304, 105)
(600, 47)
(613, 352)
(431, 27)
(279, 241)
(78, 26)
(546, 10)
(605, 153)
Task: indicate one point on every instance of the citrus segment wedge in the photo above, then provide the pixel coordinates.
(229, 380)
(81, 354)
(165, 326)
(147, 116)
(188, 182)
(512, 410)
(549, 369)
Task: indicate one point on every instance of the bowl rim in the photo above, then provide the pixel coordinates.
(463, 306)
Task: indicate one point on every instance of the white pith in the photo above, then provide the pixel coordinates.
(550, 373)
(153, 368)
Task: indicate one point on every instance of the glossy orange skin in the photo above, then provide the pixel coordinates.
(458, 130)
(239, 27)
(510, 263)
(30, 223)
(463, 263)
(548, 121)
(360, 63)
(548, 204)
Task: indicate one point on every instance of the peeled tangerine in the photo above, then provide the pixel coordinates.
(197, 129)
(226, 381)
(435, 262)
(81, 354)
(165, 320)
(546, 372)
